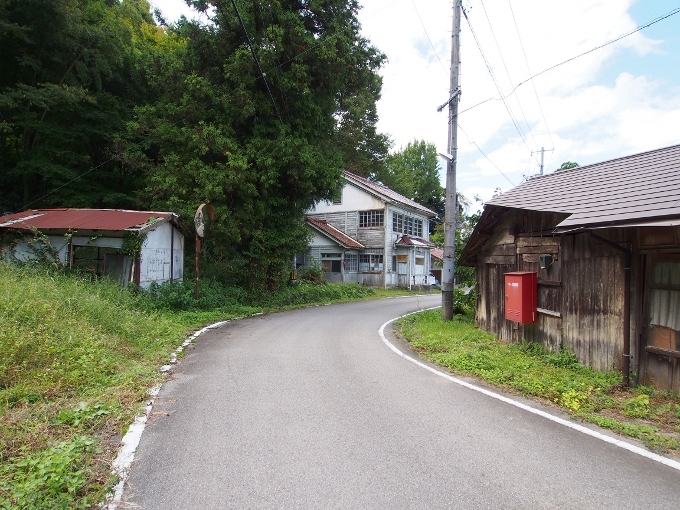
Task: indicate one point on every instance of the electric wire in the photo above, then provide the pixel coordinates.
(526, 60)
(259, 67)
(69, 182)
(428, 36)
(530, 78)
(493, 77)
(507, 72)
(484, 154)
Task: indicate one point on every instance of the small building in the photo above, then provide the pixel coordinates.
(604, 241)
(128, 246)
(371, 235)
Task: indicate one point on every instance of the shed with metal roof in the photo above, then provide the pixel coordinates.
(141, 247)
(604, 240)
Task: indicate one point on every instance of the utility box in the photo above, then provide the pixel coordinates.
(521, 289)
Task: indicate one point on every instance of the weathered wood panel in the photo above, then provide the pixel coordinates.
(372, 237)
(592, 318)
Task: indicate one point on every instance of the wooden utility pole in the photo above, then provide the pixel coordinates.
(451, 208)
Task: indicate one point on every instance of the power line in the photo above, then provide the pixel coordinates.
(259, 67)
(495, 82)
(483, 154)
(507, 72)
(427, 35)
(69, 182)
(526, 60)
(642, 27)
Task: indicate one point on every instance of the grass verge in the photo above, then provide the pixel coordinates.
(557, 379)
(77, 358)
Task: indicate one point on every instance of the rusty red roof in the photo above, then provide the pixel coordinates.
(386, 192)
(82, 219)
(407, 240)
(338, 236)
(437, 253)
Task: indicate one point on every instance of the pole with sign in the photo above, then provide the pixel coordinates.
(199, 223)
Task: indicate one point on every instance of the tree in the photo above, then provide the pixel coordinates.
(261, 148)
(67, 87)
(414, 172)
(566, 166)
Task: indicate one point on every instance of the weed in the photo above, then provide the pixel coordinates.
(637, 407)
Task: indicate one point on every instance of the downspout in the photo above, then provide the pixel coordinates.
(626, 304)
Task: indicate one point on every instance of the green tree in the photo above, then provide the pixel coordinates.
(413, 171)
(67, 84)
(260, 149)
(566, 166)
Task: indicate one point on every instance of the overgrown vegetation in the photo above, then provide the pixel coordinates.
(556, 378)
(77, 357)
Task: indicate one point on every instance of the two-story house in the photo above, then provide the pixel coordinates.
(371, 235)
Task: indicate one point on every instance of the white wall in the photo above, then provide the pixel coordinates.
(155, 255)
(353, 199)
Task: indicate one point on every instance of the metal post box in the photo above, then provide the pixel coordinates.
(521, 289)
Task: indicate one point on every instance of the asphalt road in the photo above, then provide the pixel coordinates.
(310, 409)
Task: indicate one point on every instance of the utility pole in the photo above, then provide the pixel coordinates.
(451, 208)
(542, 151)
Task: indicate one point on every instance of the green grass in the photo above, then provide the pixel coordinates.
(77, 358)
(557, 378)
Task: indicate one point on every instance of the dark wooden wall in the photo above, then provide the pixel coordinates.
(580, 295)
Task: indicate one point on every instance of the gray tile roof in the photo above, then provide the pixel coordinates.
(639, 187)
(387, 193)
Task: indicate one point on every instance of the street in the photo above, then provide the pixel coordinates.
(310, 409)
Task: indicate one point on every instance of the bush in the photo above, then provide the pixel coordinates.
(182, 295)
(464, 304)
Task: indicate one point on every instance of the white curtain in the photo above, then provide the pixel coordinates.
(664, 305)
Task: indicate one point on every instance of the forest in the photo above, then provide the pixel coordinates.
(105, 104)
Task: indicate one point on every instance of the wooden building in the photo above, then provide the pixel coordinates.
(604, 240)
(94, 240)
(370, 235)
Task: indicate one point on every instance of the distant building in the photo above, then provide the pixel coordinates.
(140, 247)
(371, 235)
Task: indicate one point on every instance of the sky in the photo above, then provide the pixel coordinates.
(616, 101)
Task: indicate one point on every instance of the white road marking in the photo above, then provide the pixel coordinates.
(575, 426)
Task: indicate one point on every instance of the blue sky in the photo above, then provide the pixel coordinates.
(620, 100)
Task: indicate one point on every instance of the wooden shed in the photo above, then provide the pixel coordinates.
(604, 240)
(139, 247)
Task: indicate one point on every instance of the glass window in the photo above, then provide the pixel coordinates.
(352, 263)
(370, 263)
(372, 218)
(664, 306)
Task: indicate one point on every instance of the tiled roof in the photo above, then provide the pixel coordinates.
(338, 236)
(387, 193)
(414, 241)
(82, 219)
(635, 188)
(437, 253)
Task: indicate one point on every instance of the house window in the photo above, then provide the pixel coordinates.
(408, 225)
(371, 218)
(420, 261)
(331, 255)
(351, 263)
(394, 263)
(370, 263)
(330, 266)
(664, 306)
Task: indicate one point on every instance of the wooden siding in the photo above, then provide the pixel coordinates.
(580, 295)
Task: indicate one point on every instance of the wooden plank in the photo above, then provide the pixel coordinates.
(550, 283)
(502, 260)
(551, 249)
(549, 312)
(524, 242)
(503, 249)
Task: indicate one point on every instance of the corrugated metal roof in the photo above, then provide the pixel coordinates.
(388, 193)
(633, 188)
(407, 240)
(82, 219)
(340, 237)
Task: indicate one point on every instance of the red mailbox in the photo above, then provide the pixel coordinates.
(521, 289)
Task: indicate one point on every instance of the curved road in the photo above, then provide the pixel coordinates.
(310, 409)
